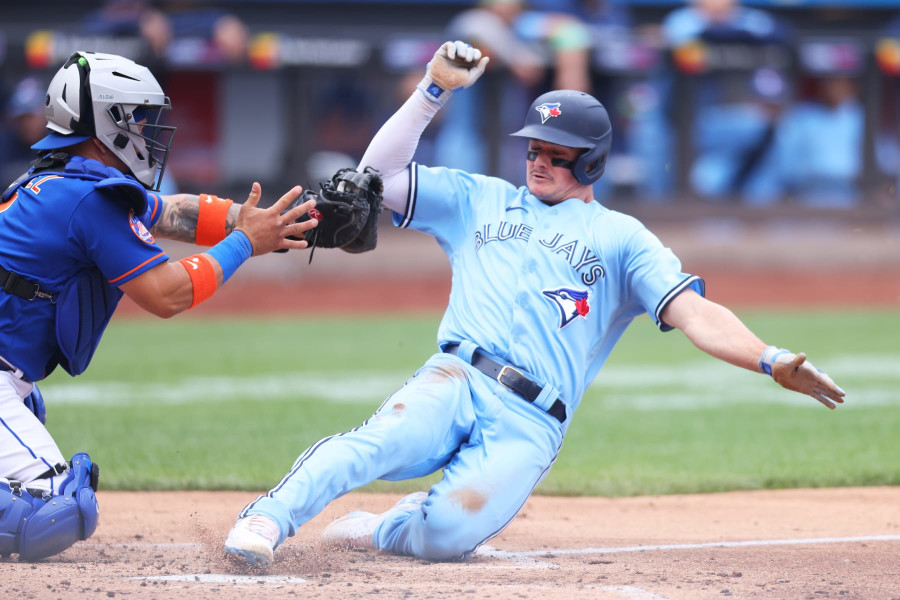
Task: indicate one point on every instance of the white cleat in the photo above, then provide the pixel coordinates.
(358, 527)
(253, 539)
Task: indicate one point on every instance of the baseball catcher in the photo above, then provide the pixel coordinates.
(347, 209)
(78, 231)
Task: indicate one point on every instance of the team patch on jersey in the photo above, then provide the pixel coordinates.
(139, 229)
(548, 109)
(571, 304)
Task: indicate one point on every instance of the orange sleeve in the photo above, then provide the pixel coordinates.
(203, 277)
(211, 219)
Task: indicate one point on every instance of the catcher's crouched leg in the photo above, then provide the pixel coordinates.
(35, 527)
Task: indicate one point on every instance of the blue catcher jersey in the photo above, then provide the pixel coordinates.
(54, 229)
(549, 288)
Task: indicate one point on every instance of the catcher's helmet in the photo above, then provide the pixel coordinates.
(115, 100)
(576, 120)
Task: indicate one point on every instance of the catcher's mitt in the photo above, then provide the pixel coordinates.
(347, 209)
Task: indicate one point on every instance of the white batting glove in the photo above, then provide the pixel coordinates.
(794, 372)
(455, 65)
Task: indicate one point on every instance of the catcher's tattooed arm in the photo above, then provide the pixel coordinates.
(205, 219)
(180, 213)
(717, 331)
(168, 288)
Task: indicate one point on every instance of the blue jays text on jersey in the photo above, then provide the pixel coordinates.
(576, 252)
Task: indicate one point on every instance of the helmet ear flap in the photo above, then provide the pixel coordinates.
(68, 105)
(84, 125)
(590, 165)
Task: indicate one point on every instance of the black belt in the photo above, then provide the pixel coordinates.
(512, 379)
(17, 285)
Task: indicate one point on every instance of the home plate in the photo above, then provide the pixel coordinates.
(224, 578)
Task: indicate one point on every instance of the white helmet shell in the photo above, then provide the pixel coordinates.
(115, 100)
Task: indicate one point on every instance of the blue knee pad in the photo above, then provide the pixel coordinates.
(36, 527)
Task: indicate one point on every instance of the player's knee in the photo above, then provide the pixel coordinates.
(450, 533)
(38, 526)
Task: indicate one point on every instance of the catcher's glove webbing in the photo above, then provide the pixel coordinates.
(347, 209)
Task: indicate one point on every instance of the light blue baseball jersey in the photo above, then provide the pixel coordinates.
(551, 289)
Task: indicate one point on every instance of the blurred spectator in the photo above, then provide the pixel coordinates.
(887, 129)
(734, 110)
(735, 144)
(137, 18)
(26, 124)
(159, 24)
(227, 35)
(820, 144)
(531, 44)
(531, 51)
(721, 20)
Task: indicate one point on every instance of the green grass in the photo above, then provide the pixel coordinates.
(155, 412)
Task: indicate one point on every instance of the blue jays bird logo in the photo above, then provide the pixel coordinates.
(571, 304)
(547, 110)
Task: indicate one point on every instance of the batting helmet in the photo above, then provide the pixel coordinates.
(575, 120)
(115, 100)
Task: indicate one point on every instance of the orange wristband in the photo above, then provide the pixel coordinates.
(211, 219)
(203, 277)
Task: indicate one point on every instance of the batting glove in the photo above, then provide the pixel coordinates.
(455, 65)
(794, 372)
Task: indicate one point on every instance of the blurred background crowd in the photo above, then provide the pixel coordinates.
(765, 103)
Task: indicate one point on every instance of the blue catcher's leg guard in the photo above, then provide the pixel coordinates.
(36, 527)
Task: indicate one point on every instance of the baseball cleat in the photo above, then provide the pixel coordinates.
(253, 539)
(357, 528)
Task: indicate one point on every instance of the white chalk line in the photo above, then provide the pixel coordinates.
(219, 578)
(699, 546)
(162, 546)
(629, 592)
(519, 560)
(699, 384)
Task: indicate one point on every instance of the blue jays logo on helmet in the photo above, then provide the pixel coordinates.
(571, 304)
(548, 109)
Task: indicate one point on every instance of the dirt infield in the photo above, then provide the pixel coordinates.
(791, 544)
